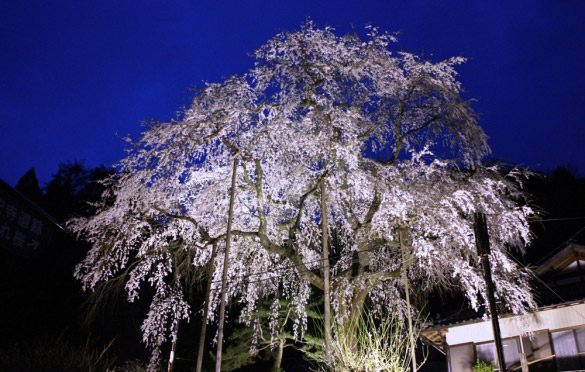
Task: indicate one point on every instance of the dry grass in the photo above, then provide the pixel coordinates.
(57, 355)
(379, 347)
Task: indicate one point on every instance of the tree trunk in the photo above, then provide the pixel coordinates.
(225, 270)
(278, 356)
(205, 311)
(348, 328)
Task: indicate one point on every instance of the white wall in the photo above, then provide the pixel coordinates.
(551, 319)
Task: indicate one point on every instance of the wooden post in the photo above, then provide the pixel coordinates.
(523, 360)
(406, 291)
(206, 305)
(171, 364)
(225, 269)
(482, 243)
(326, 289)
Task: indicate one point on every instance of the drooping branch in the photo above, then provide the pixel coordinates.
(312, 101)
(287, 250)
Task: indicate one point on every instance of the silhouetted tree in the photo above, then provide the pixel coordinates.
(72, 187)
(28, 185)
(61, 191)
(560, 196)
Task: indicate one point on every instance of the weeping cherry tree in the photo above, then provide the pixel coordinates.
(389, 136)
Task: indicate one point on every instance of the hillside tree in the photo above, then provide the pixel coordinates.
(390, 135)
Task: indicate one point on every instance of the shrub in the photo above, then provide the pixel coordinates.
(48, 355)
(379, 347)
(481, 366)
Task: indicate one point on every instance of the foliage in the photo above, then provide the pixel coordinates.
(481, 366)
(560, 196)
(265, 334)
(237, 351)
(245, 343)
(379, 347)
(387, 135)
(131, 366)
(29, 186)
(55, 355)
(69, 192)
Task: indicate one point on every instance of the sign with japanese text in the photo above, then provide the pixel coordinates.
(24, 229)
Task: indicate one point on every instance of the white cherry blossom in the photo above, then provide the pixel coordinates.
(389, 134)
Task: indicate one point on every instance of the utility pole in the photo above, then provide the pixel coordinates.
(171, 364)
(225, 269)
(206, 310)
(405, 257)
(326, 289)
(482, 242)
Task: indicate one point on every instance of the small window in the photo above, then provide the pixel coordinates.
(461, 358)
(566, 351)
(511, 353)
(538, 352)
(487, 353)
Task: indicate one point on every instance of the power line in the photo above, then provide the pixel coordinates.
(341, 255)
(371, 249)
(276, 270)
(304, 271)
(561, 219)
(311, 262)
(320, 260)
(560, 245)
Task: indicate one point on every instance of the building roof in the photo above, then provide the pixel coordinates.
(435, 333)
(25, 228)
(561, 259)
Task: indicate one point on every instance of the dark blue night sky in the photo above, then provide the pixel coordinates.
(75, 73)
